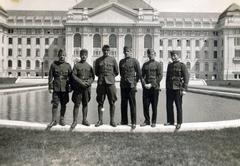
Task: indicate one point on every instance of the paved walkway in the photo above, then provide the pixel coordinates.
(107, 128)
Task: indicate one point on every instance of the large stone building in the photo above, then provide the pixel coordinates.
(209, 43)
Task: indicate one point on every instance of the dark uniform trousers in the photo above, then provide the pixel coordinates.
(150, 96)
(128, 94)
(174, 96)
(176, 81)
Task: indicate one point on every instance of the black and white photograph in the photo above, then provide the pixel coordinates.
(119, 82)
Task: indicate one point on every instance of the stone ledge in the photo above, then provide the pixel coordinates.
(197, 126)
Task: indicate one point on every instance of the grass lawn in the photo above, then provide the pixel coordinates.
(28, 147)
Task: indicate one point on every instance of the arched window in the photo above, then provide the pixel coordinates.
(77, 40)
(9, 63)
(206, 66)
(113, 41)
(148, 41)
(188, 65)
(19, 64)
(28, 64)
(97, 41)
(128, 41)
(46, 64)
(197, 66)
(37, 64)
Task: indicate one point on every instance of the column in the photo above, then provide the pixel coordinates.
(120, 46)
(69, 48)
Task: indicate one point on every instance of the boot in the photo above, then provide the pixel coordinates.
(75, 116)
(112, 112)
(62, 113)
(54, 118)
(84, 112)
(100, 114)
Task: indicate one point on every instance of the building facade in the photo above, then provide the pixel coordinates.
(208, 43)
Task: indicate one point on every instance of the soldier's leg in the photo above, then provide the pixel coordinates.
(55, 102)
(64, 99)
(154, 102)
(75, 114)
(112, 98)
(85, 99)
(178, 102)
(170, 99)
(132, 103)
(146, 104)
(100, 99)
(124, 106)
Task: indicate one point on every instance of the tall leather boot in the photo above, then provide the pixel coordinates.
(75, 116)
(54, 116)
(84, 113)
(62, 113)
(100, 114)
(112, 112)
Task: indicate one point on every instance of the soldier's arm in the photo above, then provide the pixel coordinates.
(115, 70)
(185, 76)
(143, 76)
(50, 78)
(138, 70)
(92, 77)
(159, 73)
(120, 68)
(96, 67)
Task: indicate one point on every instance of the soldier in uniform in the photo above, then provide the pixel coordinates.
(176, 85)
(82, 78)
(106, 69)
(59, 85)
(151, 77)
(130, 73)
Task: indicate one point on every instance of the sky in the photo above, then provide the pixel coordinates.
(161, 5)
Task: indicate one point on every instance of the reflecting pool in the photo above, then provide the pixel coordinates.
(35, 106)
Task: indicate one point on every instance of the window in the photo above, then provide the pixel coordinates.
(188, 43)
(46, 53)
(215, 43)
(237, 41)
(19, 40)
(205, 43)
(46, 64)
(37, 64)
(215, 54)
(237, 53)
(28, 41)
(77, 40)
(206, 66)
(10, 40)
(206, 54)
(96, 29)
(37, 41)
(147, 41)
(197, 67)
(9, 52)
(97, 41)
(56, 41)
(161, 54)
(161, 42)
(128, 41)
(188, 65)
(28, 64)
(19, 52)
(19, 64)
(179, 43)
(28, 52)
(113, 41)
(37, 52)
(235, 76)
(169, 43)
(46, 41)
(188, 56)
(112, 29)
(197, 43)
(215, 66)
(9, 64)
(197, 54)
